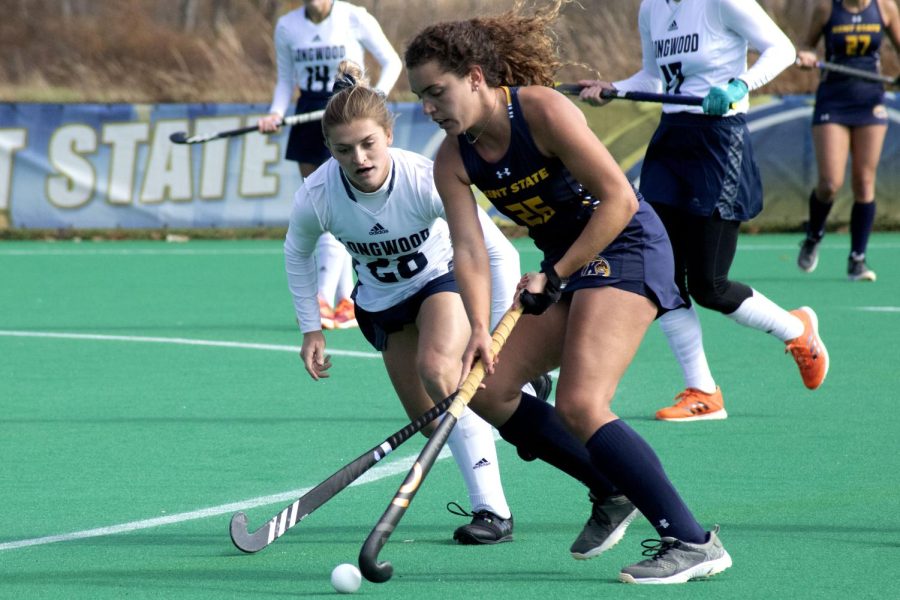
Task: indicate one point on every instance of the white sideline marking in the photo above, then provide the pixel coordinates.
(879, 308)
(376, 473)
(178, 341)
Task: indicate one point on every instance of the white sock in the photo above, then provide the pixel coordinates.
(759, 312)
(682, 329)
(330, 258)
(472, 445)
(345, 282)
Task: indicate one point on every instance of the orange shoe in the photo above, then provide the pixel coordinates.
(694, 405)
(808, 349)
(345, 315)
(327, 314)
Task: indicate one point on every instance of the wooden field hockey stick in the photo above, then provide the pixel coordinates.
(573, 89)
(859, 73)
(301, 508)
(181, 137)
(379, 572)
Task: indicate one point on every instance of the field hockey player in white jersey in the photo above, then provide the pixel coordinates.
(700, 176)
(380, 202)
(310, 43)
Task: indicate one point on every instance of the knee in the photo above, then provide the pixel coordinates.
(828, 188)
(706, 293)
(864, 187)
(438, 374)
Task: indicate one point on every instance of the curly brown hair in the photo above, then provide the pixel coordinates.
(511, 49)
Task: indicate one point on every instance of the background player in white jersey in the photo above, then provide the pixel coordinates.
(380, 202)
(701, 178)
(310, 43)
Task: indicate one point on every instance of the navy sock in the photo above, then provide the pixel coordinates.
(632, 465)
(818, 214)
(861, 218)
(536, 431)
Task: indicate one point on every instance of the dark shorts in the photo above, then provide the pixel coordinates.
(377, 326)
(638, 261)
(852, 103)
(700, 163)
(306, 144)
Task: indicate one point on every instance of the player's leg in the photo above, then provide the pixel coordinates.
(332, 259)
(701, 398)
(536, 430)
(665, 183)
(585, 394)
(443, 333)
(832, 146)
(344, 309)
(709, 262)
(865, 147)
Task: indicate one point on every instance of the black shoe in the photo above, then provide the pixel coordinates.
(808, 258)
(542, 385)
(485, 528)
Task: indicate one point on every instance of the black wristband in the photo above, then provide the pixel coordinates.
(554, 281)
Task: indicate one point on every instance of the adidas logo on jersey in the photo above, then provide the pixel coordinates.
(378, 229)
(482, 463)
(673, 26)
(318, 38)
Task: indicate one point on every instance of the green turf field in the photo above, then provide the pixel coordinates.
(149, 390)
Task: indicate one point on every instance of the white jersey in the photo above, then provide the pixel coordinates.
(398, 246)
(308, 54)
(691, 46)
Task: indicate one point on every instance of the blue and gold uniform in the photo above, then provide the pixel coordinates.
(852, 40)
(538, 192)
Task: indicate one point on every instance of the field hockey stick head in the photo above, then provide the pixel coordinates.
(371, 568)
(179, 137)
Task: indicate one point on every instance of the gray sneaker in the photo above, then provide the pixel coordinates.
(674, 561)
(858, 270)
(609, 519)
(808, 258)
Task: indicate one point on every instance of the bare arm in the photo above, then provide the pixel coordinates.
(470, 257)
(806, 58)
(560, 129)
(891, 16)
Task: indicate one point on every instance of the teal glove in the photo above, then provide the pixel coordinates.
(719, 100)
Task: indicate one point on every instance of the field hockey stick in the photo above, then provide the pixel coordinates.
(859, 73)
(301, 508)
(181, 137)
(379, 572)
(573, 89)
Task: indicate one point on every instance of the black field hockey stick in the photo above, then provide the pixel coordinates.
(181, 137)
(278, 525)
(379, 572)
(573, 89)
(858, 73)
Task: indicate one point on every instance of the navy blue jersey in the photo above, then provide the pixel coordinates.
(531, 189)
(538, 192)
(853, 39)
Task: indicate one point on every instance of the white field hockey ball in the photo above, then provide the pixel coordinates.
(346, 578)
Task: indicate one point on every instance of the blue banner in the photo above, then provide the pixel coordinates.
(113, 165)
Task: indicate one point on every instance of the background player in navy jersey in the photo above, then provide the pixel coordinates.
(701, 178)
(849, 119)
(606, 275)
(381, 203)
(310, 43)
